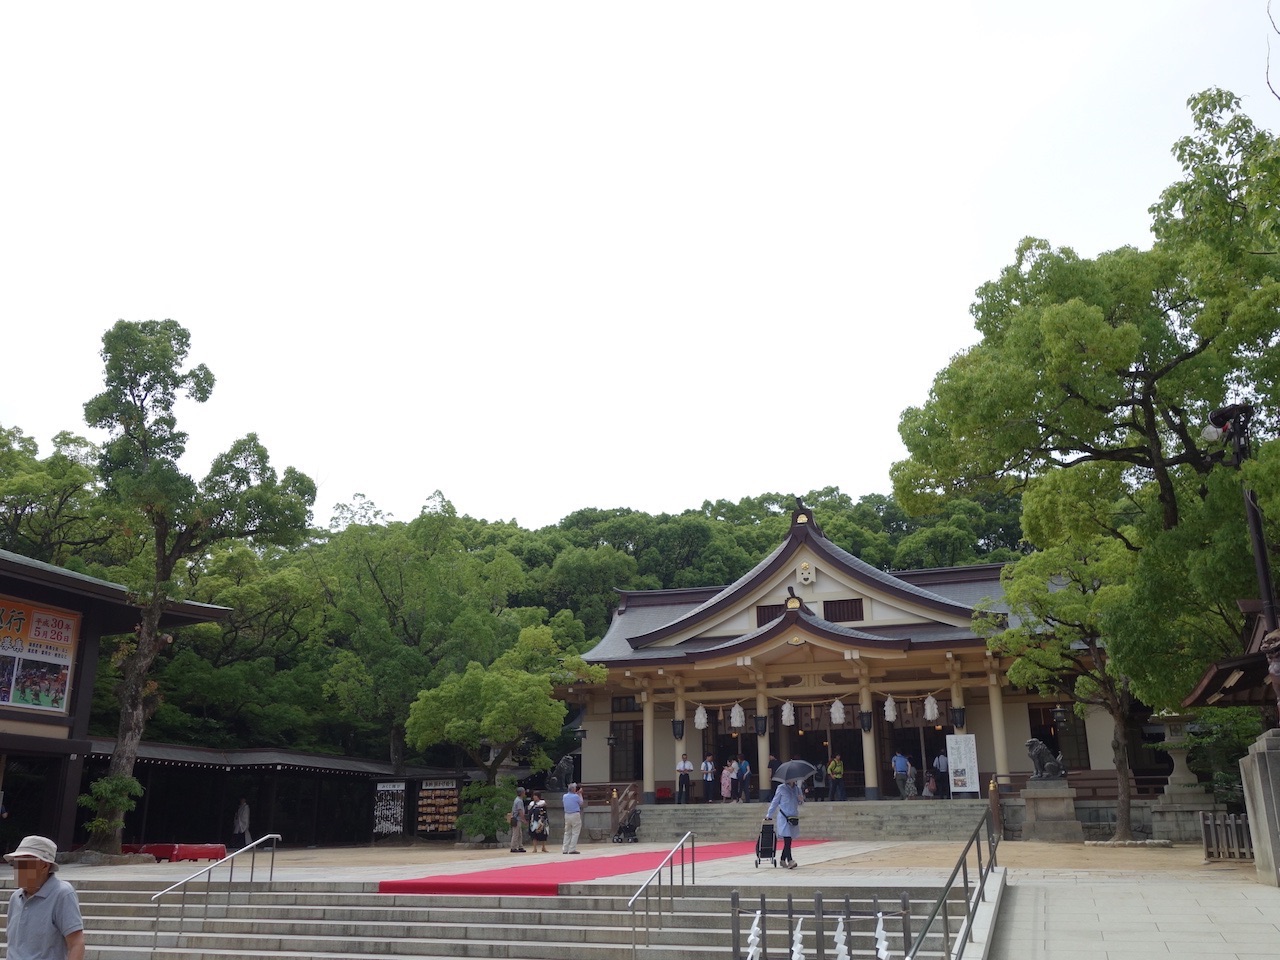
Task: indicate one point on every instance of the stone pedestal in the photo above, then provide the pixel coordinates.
(1260, 771)
(1175, 816)
(1051, 812)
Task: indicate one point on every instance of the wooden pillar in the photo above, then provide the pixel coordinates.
(678, 746)
(870, 757)
(648, 733)
(999, 740)
(71, 769)
(762, 743)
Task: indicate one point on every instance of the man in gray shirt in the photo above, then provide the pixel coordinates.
(44, 913)
(518, 817)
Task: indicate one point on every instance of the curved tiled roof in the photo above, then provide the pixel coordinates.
(646, 617)
(803, 533)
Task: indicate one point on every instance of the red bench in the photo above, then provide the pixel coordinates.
(174, 852)
(199, 851)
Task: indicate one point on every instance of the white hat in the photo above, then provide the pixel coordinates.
(42, 848)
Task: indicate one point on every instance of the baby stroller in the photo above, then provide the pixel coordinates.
(627, 828)
(767, 844)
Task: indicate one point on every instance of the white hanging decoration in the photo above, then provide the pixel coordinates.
(890, 710)
(837, 712)
(930, 708)
(737, 717)
(788, 714)
(797, 941)
(842, 948)
(700, 717)
(882, 939)
(753, 939)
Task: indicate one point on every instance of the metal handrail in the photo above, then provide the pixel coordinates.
(668, 861)
(971, 898)
(207, 872)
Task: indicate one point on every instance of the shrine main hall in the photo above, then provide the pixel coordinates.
(810, 654)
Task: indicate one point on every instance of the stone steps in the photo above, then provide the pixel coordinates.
(930, 820)
(285, 920)
(344, 920)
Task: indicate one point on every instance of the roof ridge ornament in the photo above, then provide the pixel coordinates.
(802, 516)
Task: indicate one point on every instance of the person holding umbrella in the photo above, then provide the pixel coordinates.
(784, 809)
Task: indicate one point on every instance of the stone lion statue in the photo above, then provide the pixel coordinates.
(561, 774)
(1047, 766)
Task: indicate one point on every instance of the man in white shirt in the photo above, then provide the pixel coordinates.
(708, 779)
(683, 769)
(942, 766)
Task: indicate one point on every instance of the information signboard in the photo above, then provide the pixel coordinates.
(962, 757)
(37, 655)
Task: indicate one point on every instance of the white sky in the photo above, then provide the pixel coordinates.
(546, 256)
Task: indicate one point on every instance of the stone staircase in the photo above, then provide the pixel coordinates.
(350, 921)
(930, 820)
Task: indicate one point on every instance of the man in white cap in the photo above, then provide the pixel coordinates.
(44, 914)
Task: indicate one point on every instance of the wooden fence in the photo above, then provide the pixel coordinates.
(1226, 836)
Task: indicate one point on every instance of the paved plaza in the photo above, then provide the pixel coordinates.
(1059, 901)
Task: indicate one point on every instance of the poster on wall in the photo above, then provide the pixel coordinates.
(37, 655)
(962, 754)
(388, 808)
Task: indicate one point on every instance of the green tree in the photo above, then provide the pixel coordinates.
(1088, 391)
(177, 518)
(1056, 640)
(585, 580)
(1217, 741)
(251, 679)
(491, 712)
(49, 508)
(410, 606)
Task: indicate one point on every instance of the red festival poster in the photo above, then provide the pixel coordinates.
(37, 654)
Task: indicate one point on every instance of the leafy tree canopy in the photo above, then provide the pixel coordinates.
(489, 712)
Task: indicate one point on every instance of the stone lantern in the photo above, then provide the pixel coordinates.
(1176, 814)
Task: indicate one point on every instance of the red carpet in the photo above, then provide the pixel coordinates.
(540, 874)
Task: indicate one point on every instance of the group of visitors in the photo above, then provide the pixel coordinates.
(732, 784)
(828, 780)
(531, 814)
(937, 780)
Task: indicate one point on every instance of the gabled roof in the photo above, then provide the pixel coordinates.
(804, 533)
(644, 619)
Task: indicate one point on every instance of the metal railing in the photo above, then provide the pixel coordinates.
(837, 920)
(669, 861)
(975, 892)
(207, 873)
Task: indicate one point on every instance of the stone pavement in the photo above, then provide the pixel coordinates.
(1059, 901)
(1122, 915)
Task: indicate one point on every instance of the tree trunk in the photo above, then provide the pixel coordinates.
(1124, 797)
(138, 699)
